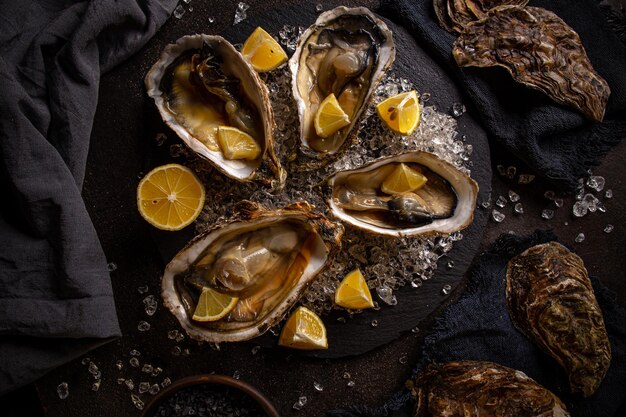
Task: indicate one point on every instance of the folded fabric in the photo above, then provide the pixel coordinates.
(56, 300)
(478, 327)
(555, 141)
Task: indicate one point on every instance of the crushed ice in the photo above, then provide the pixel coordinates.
(63, 390)
(240, 13)
(298, 405)
(384, 261)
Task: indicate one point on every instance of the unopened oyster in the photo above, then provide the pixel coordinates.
(551, 301)
(540, 51)
(444, 204)
(200, 83)
(264, 258)
(481, 389)
(454, 15)
(346, 52)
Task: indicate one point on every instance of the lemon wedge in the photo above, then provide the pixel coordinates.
(353, 292)
(213, 305)
(401, 113)
(403, 179)
(304, 330)
(236, 144)
(263, 52)
(330, 117)
(170, 197)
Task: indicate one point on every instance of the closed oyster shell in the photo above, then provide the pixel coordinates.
(551, 301)
(346, 52)
(540, 51)
(230, 79)
(481, 389)
(265, 258)
(454, 15)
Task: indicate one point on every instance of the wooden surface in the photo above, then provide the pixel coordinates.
(281, 376)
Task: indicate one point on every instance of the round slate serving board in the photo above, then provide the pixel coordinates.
(356, 335)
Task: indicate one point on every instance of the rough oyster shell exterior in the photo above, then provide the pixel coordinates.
(454, 15)
(540, 51)
(243, 170)
(250, 215)
(551, 301)
(481, 389)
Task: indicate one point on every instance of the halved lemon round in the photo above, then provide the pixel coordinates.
(353, 292)
(401, 113)
(236, 144)
(262, 51)
(170, 197)
(304, 330)
(330, 117)
(213, 305)
(403, 179)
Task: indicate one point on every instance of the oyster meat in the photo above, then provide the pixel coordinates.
(444, 204)
(481, 389)
(540, 51)
(454, 15)
(346, 52)
(201, 83)
(551, 301)
(264, 258)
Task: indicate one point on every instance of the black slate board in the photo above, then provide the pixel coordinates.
(356, 335)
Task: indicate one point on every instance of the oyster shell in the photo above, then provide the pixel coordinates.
(454, 15)
(540, 51)
(201, 82)
(480, 388)
(346, 52)
(445, 204)
(551, 301)
(265, 258)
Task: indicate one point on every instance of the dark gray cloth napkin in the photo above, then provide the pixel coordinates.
(478, 327)
(555, 141)
(56, 300)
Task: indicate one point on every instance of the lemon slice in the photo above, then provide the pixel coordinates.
(304, 330)
(353, 292)
(213, 305)
(401, 113)
(236, 144)
(403, 179)
(170, 197)
(263, 52)
(330, 117)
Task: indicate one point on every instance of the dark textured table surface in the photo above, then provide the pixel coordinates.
(282, 377)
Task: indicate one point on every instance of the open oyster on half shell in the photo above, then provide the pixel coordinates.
(443, 203)
(345, 52)
(264, 258)
(202, 83)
